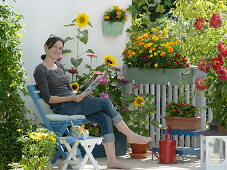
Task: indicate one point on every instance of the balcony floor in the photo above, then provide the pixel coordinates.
(190, 163)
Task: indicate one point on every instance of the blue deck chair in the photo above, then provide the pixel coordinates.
(57, 123)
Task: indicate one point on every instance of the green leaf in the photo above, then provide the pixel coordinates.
(156, 124)
(65, 51)
(90, 51)
(70, 25)
(160, 8)
(68, 39)
(76, 62)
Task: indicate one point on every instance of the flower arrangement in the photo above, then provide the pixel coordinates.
(115, 14)
(39, 146)
(181, 110)
(214, 84)
(153, 50)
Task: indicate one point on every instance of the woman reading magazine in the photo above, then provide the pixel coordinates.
(56, 92)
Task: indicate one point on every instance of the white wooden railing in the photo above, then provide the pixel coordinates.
(165, 94)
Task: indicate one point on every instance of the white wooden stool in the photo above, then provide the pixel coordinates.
(87, 143)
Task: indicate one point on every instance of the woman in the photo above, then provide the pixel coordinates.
(56, 92)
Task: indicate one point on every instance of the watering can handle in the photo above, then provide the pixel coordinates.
(170, 133)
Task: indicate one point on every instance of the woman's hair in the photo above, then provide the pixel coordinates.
(50, 43)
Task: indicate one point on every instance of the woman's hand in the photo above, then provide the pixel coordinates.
(89, 94)
(78, 98)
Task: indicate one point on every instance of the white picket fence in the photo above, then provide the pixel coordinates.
(165, 94)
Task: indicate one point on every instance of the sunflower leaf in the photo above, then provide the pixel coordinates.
(66, 51)
(90, 51)
(76, 62)
(69, 25)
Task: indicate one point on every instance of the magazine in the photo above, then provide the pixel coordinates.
(92, 83)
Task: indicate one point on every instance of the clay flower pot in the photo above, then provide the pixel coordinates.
(138, 150)
(182, 123)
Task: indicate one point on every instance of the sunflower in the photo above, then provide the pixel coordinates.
(109, 60)
(82, 20)
(138, 101)
(75, 86)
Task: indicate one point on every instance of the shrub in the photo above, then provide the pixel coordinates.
(12, 82)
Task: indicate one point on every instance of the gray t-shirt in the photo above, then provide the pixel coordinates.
(52, 82)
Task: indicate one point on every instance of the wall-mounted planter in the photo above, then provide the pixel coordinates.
(115, 28)
(160, 76)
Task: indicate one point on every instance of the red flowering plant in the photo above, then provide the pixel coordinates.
(214, 84)
(201, 27)
(181, 110)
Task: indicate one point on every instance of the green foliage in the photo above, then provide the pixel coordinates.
(138, 112)
(146, 12)
(39, 146)
(12, 82)
(197, 44)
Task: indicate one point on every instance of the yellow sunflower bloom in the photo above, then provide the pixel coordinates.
(82, 20)
(75, 86)
(109, 60)
(138, 101)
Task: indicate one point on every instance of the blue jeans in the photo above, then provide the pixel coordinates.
(96, 109)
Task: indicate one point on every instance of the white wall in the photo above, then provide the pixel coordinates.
(45, 17)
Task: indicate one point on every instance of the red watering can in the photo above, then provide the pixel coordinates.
(167, 151)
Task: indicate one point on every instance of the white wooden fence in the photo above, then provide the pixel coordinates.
(165, 94)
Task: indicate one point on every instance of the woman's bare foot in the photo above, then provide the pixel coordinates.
(116, 165)
(138, 139)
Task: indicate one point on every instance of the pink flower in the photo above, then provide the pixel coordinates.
(124, 107)
(104, 95)
(199, 23)
(125, 82)
(59, 59)
(103, 80)
(222, 49)
(73, 70)
(135, 86)
(120, 77)
(216, 63)
(222, 73)
(92, 55)
(215, 20)
(203, 65)
(201, 83)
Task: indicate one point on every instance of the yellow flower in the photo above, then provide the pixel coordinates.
(75, 86)
(138, 101)
(109, 60)
(119, 13)
(19, 130)
(82, 20)
(126, 18)
(34, 137)
(156, 65)
(154, 38)
(116, 8)
(106, 17)
(52, 138)
(83, 125)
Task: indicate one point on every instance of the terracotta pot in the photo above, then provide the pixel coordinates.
(139, 150)
(182, 123)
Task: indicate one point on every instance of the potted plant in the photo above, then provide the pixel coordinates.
(182, 116)
(152, 57)
(113, 21)
(137, 112)
(214, 84)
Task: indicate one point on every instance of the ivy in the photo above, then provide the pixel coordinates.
(12, 82)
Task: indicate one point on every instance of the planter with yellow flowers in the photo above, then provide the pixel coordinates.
(152, 57)
(114, 20)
